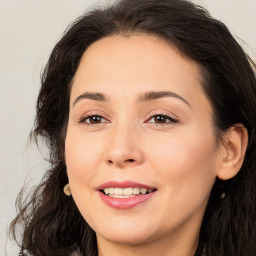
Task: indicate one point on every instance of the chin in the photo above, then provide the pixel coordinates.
(129, 235)
(132, 239)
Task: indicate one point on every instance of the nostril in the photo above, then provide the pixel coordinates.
(118, 162)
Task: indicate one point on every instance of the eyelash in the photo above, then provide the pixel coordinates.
(83, 119)
(167, 117)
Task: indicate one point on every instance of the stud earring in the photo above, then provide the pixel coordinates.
(67, 190)
(223, 194)
(22, 251)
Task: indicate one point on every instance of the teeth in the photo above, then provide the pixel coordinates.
(143, 191)
(135, 191)
(119, 196)
(107, 190)
(119, 191)
(126, 192)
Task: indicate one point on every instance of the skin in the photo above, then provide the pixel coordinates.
(181, 159)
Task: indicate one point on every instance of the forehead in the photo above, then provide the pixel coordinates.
(123, 66)
(143, 54)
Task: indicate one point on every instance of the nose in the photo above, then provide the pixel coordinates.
(124, 149)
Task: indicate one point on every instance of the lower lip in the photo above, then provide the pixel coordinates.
(125, 203)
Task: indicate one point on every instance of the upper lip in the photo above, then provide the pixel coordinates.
(123, 184)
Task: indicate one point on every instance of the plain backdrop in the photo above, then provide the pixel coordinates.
(28, 31)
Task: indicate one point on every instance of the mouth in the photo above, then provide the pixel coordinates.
(126, 194)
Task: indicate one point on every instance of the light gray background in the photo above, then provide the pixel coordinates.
(28, 31)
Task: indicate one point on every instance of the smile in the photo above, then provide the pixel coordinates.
(125, 195)
(126, 192)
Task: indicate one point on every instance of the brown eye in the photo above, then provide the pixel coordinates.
(162, 119)
(94, 119)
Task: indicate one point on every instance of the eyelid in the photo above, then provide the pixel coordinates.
(83, 118)
(93, 113)
(173, 118)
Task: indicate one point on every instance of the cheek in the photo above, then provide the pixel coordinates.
(186, 162)
(185, 168)
(83, 155)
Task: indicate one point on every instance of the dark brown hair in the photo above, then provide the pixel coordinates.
(52, 223)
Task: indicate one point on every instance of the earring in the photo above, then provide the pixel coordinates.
(67, 190)
(223, 194)
(22, 251)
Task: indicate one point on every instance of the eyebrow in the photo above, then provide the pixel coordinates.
(97, 96)
(144, 97)
(153, 95)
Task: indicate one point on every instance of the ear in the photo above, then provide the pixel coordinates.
(233, 149)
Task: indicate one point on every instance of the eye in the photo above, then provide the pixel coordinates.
(93, 120)
(162, 119)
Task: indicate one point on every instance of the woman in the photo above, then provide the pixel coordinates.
(149, 112)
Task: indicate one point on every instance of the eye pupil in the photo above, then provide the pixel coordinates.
(160, 119)
(95, 119)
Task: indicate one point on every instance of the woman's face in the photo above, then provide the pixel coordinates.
(139, 122)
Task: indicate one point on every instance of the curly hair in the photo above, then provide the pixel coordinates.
(51, 221)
